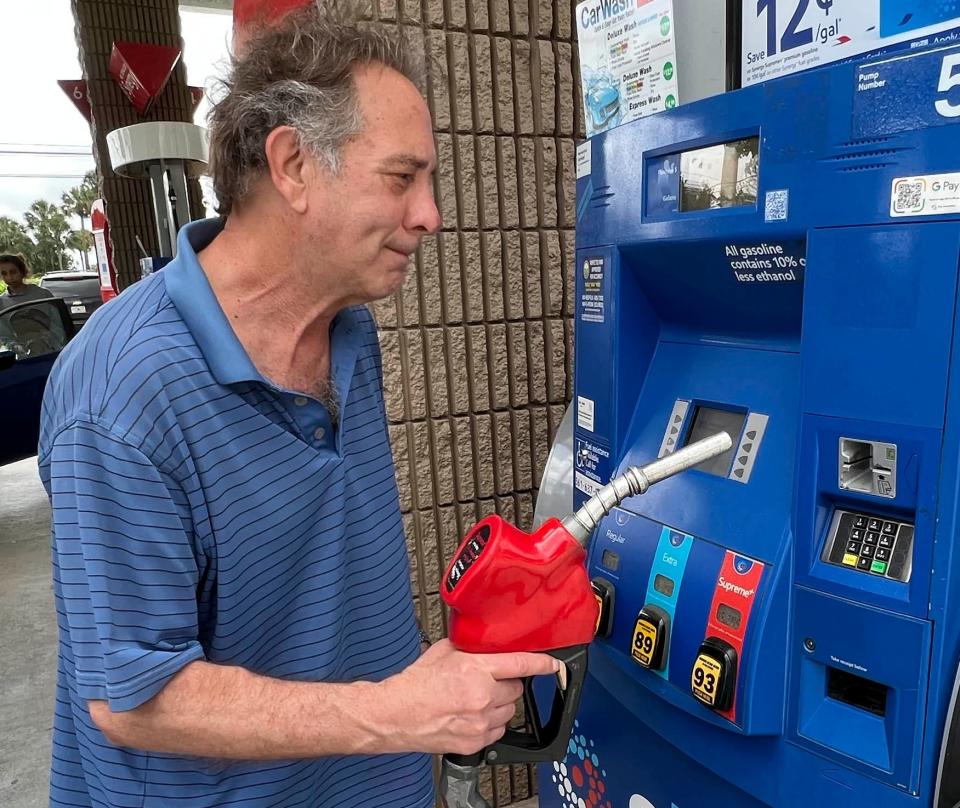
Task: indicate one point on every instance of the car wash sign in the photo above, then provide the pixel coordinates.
(628, 60)
(785, 36)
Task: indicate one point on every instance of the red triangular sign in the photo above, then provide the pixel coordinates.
(77, 90)
(142, 70)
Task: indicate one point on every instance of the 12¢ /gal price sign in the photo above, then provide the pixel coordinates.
(784, 36)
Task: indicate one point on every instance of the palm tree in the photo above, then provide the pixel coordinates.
(77, 201)
(49, 227)
(14, 239)
(82, 242)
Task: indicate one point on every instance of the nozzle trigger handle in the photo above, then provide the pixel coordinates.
(544, 741)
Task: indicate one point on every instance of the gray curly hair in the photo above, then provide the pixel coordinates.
(297, 73)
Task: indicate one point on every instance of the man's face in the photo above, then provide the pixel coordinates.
(367, 220)
(11, 276)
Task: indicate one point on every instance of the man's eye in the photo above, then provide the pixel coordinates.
(404, 179)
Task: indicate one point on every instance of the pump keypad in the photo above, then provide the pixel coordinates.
(871, 544)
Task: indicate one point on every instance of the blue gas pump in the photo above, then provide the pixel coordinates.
(782, 624)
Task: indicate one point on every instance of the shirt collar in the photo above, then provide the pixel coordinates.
(194, 299)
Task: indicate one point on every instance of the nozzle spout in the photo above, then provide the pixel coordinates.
(637, 479)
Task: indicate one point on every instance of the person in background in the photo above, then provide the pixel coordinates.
(14, 272)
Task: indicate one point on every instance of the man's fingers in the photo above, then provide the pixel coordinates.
(502, 716)
(506, 692)
(518, 665)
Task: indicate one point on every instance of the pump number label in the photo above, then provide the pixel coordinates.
(705, 679)
(644, 641)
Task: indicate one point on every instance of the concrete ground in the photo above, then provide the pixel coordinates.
(28, 639)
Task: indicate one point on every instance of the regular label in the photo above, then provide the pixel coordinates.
(705, 679)
(930, 195)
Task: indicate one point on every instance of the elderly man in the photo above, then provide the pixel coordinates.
(232, 588)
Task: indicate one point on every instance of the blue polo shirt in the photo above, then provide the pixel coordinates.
(202, 512)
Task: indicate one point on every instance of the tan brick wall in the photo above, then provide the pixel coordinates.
(128, 202)
(477, 345)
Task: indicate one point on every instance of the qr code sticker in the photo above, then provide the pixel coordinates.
(776, 206)
(908, 196)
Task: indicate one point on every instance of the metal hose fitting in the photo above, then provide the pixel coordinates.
(637, 479)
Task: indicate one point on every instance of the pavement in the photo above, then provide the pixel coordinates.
(28, 637)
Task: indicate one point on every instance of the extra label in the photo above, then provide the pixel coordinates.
(705, 679)
(644, 641)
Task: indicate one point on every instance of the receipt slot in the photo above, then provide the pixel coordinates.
(778, 263)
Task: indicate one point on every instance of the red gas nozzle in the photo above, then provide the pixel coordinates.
(514, 591)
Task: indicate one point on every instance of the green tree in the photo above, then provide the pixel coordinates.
(49, 228)
(14, 239)
(82, 242)
(77, 201)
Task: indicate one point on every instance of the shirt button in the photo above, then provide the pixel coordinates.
(319, 433)
(300, 401)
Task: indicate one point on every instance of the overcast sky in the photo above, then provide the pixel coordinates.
(39, 49)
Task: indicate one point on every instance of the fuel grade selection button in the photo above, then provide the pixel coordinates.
(603, 591)
(650, 634)
(714, 674)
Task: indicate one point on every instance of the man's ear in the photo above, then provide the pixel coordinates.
(288, 165)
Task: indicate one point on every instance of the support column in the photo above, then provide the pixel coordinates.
(129, 204)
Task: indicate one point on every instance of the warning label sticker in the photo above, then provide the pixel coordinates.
(591, 299)
(767, 262)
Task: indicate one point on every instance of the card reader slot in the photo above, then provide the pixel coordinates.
(856, 691)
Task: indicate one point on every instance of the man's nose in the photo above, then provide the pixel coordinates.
(424, 216)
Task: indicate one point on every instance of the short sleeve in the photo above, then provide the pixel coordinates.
(126, 565)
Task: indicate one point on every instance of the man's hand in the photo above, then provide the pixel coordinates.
(450, 701)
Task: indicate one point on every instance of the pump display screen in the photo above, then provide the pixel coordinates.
(729, 616)
(720, 176)
(663, 585)
(708, 421)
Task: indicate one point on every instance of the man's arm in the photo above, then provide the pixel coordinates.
(446, 701)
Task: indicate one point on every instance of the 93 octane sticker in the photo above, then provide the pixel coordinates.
(705, 680)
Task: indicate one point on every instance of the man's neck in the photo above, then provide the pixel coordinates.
(273, 305)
